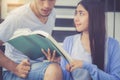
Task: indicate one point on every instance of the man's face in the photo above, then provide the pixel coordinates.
(44, 7)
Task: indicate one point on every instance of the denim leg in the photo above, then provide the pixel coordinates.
(36, 73)
(38, 70)
(7, 75)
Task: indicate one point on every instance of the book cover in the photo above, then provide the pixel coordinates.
(32, 43)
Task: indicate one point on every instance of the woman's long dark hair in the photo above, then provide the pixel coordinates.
(97, 31)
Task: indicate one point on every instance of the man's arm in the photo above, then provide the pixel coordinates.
(20, 70)
(6, 62)
(1, 42)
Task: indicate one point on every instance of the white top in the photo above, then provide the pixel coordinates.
(79, 53)
(22, 18)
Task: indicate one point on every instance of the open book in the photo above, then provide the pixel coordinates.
(32, 43)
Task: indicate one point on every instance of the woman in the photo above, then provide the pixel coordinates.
(95, 56)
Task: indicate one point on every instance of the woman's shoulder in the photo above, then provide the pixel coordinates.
(69, 39)
(112, 41)
(113, 45)
(72, 36)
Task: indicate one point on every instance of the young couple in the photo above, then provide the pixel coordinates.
(95, 55)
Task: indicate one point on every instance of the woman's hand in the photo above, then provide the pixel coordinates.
(51, 56)
(74, 65)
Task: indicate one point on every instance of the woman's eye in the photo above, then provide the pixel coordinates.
(79, 13)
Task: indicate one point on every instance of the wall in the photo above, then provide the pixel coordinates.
(4, 5)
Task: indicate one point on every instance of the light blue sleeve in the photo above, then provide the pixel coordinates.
(67, 45)
(112, 71)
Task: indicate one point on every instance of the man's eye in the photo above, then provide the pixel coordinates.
(81, 13)
(75, 13)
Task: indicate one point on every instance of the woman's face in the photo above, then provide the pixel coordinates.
(81, 19)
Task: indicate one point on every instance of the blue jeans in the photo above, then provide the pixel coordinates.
(36, 73)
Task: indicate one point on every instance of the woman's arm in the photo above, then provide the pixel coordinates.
(112, 69)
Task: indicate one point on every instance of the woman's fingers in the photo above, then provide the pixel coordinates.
(68, 67)
(51, 56)
(44, 52)
(47, 54)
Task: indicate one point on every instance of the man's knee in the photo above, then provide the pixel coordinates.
(54, 68)
(53, 71)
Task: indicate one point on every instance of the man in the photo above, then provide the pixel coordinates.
(38, 15)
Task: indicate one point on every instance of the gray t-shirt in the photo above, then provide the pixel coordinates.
(21, 18)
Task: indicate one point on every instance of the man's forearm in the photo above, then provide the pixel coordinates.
(1, 42)
(21, 70)
(7, 63)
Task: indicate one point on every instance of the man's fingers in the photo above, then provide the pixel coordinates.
(23, 75)
(25, 65)
(25, 72)
(25, 62)
(23, 68)
(26, 68)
